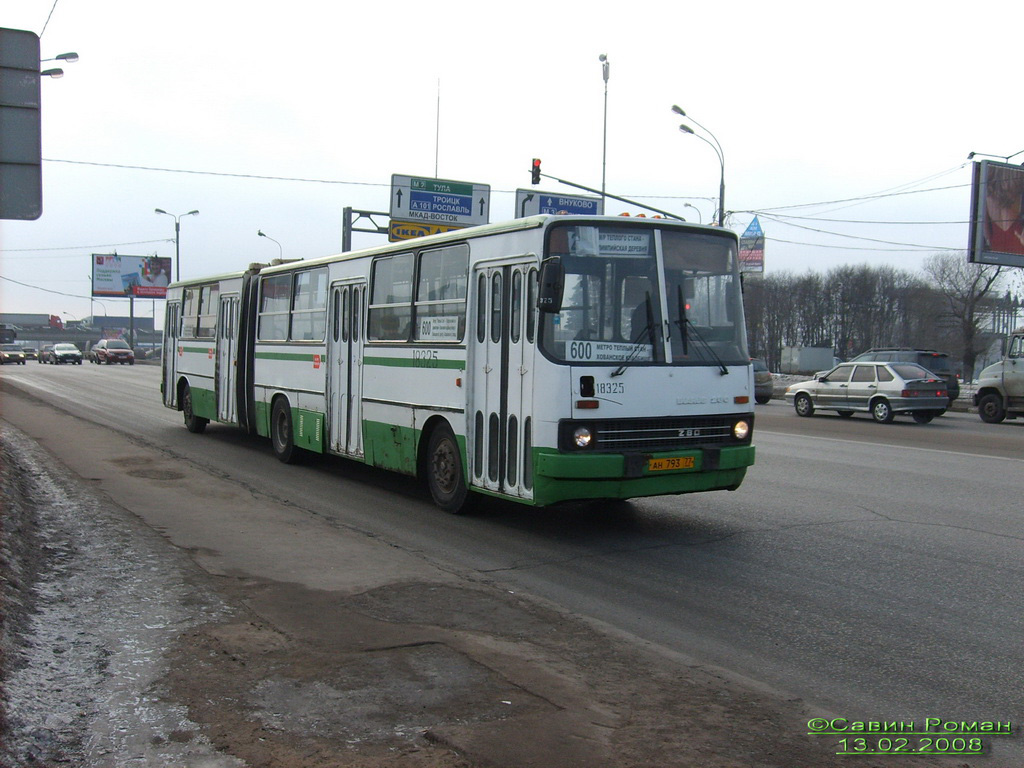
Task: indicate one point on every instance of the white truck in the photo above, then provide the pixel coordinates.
(1000, 391)
(806, 360)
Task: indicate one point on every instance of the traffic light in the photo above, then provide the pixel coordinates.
(535, 171)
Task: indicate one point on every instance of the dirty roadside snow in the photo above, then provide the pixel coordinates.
(91, 601)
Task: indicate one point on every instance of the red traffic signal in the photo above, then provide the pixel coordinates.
(535, 171)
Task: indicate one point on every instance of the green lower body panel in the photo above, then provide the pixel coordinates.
(263, 419)
(307, 427)
(389, 446)
(204, 403)
(566, 477)
(308, 430)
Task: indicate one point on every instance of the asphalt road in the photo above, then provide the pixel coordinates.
(874, 571)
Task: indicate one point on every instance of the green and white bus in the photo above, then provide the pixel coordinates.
(542, 360)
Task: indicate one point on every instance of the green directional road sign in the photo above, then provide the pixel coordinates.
(439, 201)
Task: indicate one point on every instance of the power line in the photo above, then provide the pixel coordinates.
(214, 173)
(46, 290)
(854, 237)
(856, 199)
(49, 16)
(911, 249)
(81, 247)
(862, 221)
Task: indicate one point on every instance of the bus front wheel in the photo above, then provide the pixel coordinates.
(193, 423)
(281, 437)
(445, 477)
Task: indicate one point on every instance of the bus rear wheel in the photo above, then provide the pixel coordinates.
(193, 423)
(445, 477)
(281, 437)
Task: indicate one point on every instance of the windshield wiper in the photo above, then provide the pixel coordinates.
(684, 323)
(637, 346)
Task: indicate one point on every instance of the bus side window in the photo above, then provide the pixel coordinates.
(441, 294)
(390, 310)
(189, 313)
(516, 319)
(208, 309)
(531, 305)
(481, 308)
(357, 311)
(275, 302)
(309, 305)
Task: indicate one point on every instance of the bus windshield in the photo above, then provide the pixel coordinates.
(645, 295)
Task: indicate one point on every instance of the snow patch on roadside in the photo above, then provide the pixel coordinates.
(93, 601)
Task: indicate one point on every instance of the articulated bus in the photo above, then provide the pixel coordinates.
(547, 359)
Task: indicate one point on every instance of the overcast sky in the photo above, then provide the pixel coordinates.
(818, 105)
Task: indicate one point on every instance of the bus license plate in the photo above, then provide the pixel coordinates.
(683, 462)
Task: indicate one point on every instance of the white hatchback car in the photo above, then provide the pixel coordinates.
(884, 390)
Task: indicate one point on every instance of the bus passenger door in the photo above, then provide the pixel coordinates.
(227, 355)
(344, 372)
(169, 360)
(503, 339)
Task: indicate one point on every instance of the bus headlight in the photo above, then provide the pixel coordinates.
(740, 430)
(582, 437)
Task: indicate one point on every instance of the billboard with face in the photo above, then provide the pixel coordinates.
(145, 277)
(997, 214)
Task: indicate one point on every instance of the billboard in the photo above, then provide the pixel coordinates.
(145, 277)
(997, 214)
(752, 248)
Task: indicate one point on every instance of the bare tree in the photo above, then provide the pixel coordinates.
(964, 287)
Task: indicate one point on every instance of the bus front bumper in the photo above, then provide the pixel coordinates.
(561, 476)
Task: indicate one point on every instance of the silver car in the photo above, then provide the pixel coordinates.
(882, 389)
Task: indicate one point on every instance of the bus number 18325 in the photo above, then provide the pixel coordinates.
(543, 360)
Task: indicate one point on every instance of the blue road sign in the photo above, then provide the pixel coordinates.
(531, 202)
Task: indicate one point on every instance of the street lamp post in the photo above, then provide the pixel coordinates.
(57, 72)
(718, 151)
(1004, 158)
(177, 233)
(280, 250)
(603, 58)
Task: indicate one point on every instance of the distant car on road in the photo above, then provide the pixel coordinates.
(31, 353)
(44, 353)
(11, 354)
(884, 390)
(111, 351)
(59, 354)
(764, 385)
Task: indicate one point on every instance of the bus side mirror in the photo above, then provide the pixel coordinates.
(552, 285)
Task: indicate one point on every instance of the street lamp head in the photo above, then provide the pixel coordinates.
(603, 57)
(192, 213)
(685, 128)
(678, 110)
(71, 57)
(54, 73)
(160, 210)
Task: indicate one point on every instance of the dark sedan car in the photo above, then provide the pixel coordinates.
(59, 354)
(764, 384)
